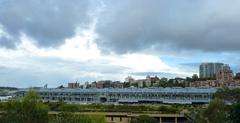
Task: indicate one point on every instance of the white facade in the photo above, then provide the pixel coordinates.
(127, 95)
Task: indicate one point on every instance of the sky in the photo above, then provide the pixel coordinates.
(59, 41)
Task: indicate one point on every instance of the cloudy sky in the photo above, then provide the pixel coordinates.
(58, 41)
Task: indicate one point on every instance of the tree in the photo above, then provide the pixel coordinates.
(73, 118)
(126, 84)
(29, 110)
(143, 119)
(168, 109)
(234, 114)
(214, 113)
(229, 95)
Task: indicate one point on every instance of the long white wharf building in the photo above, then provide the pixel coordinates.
(126, 95)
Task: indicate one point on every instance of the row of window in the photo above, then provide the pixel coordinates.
(66, 94)
(68, 99)
(157, 96)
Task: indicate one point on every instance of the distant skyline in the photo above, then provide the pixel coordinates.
(54, 42)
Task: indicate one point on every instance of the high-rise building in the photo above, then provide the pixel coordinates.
(209, 70)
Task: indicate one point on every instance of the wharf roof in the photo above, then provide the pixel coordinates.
(130, 90)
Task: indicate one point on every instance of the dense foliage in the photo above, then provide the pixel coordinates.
(72, 118)
(61, 106)
(224, 108)
(229, 95)
(214, 113)
(234, 113)
(29, 110)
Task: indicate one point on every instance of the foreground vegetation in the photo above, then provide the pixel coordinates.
(32, 110)
(224, 108)
(61, 106)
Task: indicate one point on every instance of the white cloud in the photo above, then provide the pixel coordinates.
(79, 58)
(141, 63)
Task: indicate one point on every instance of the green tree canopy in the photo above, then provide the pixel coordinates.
(229, 95)
(73, 118)
(28, 110)
(214, 113)
(234, 114)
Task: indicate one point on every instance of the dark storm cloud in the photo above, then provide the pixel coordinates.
(207, 25)
(126, 25)
(48, 22)
(7, 42)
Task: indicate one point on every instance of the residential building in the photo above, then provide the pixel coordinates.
(73, 85)
(148, 82)
(237, 76)
(207, 83)
(140, 83)
(99, 84)
(104, 84)
(130, 79)
(117, 84)
(93, 84)
(209, 70)
(225, 75)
